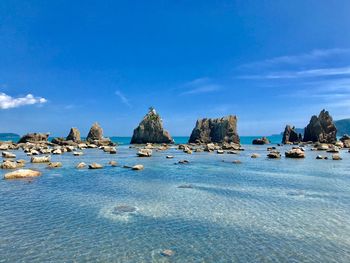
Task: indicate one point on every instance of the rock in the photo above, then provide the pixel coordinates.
(137, 167)
(74, 135)
(185, 186)
(220, 151)
(261, 141)
(167, 253)
(113, 151)
(236, 162)
(113, 163)
(290, 135)
(8, 165)
(183, 162)
(54, 165)
(78, 153)
(345, 139)
(295, 153)
(321, 129)
(8, 155)
(41, 159)
(336, 157)
(232, 152)
(255, 155)
(333, 149)
(144, 153)
(22, 173)
(215, 130)
(322, 147)
(95, 136)
(320, 157)
(34, 138)
(57, 152)
(81, 165)
(187, 150)
(124, 209)
(274, 155)
(150, 130)
(169, 157)
(95, 166)
(209, 147)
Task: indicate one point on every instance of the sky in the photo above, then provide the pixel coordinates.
(69, 64)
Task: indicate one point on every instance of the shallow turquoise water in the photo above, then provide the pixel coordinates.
(258, 211)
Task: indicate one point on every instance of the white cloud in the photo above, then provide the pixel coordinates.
(8, 102)
(200, 86)
(310, 57)
(123, 98)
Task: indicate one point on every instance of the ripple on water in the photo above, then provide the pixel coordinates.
(119, 212)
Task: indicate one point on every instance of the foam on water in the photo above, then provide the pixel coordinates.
(259, 211)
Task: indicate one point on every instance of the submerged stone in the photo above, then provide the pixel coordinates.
(124, 209)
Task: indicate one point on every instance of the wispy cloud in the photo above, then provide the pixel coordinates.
(312, 56)
(200, 86)
(8, 102)
(311, 73)
(122, 98)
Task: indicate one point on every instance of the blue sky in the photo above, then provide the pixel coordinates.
(71, 63)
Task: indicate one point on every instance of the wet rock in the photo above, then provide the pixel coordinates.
(290, 135)
(95, 166)
(81, 165)
(295, 153)
(345, 139)
(183, 162)
(185, 186)
(22, 173)
(113, 163)
(210, 147)
(261, 141)
(274, 155)
(95, 136)
(41, 159)
(124, 209)
(232, 152)
(57, 152)
(137, 167)
(255, 155)
(113, 151)
(321, 129)
(8, 165)
(167, 253)
(74, 135)
(54, 165)
(215, 130)
(333, 149)
(144, 153)
(150, 130)
(34, 138)
(236, 162)
(8, 155)
(336, 157)
(78, 153)
(169, 157)
(220, 151)
(320, 157)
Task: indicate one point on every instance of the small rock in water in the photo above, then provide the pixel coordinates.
(274, 155)
(236, 162)
(144, 153)
(167, 253)
(220, 152)
(320, 157)
(183, 162)
(113, 163)
(255, 155)
(113, 150)
(8, 155)
(336, 157)
(78, 153)
(127, 166)
(169, 157)
(54, 165)
(137, 167)
(22, 173)
(42, 159)
(185, 186)
(81, 165)
(124, 209)
(95, 166)
(232, 152)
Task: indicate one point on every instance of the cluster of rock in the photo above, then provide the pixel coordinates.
(321, 129)
(150, 130)
(261, 141)
(221, 130)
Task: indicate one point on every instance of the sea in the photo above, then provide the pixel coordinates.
(209, 210)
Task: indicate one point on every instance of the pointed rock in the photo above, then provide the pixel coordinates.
(151, 130)
(215, 130)
(321, 129)
(290, 135)
(74, 135)
(96, 136)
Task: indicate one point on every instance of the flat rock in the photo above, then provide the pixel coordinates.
(81, 165)
(8, 155)
(22, 173)
(95, 166)
(137, 167)
(41, 159)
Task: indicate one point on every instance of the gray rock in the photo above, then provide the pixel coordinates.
(215, 130)
(321, 129)
(34, 138)
(150, 130)
(95, 136)
(261, 141)
(295, 153)
(290, 135)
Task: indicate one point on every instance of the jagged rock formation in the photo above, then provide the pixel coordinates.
(151, 130)
(34, 137)
(321, 129)
(95, 136)
(290, 135)
(261, 141)
(74, 135)
(215, 130)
